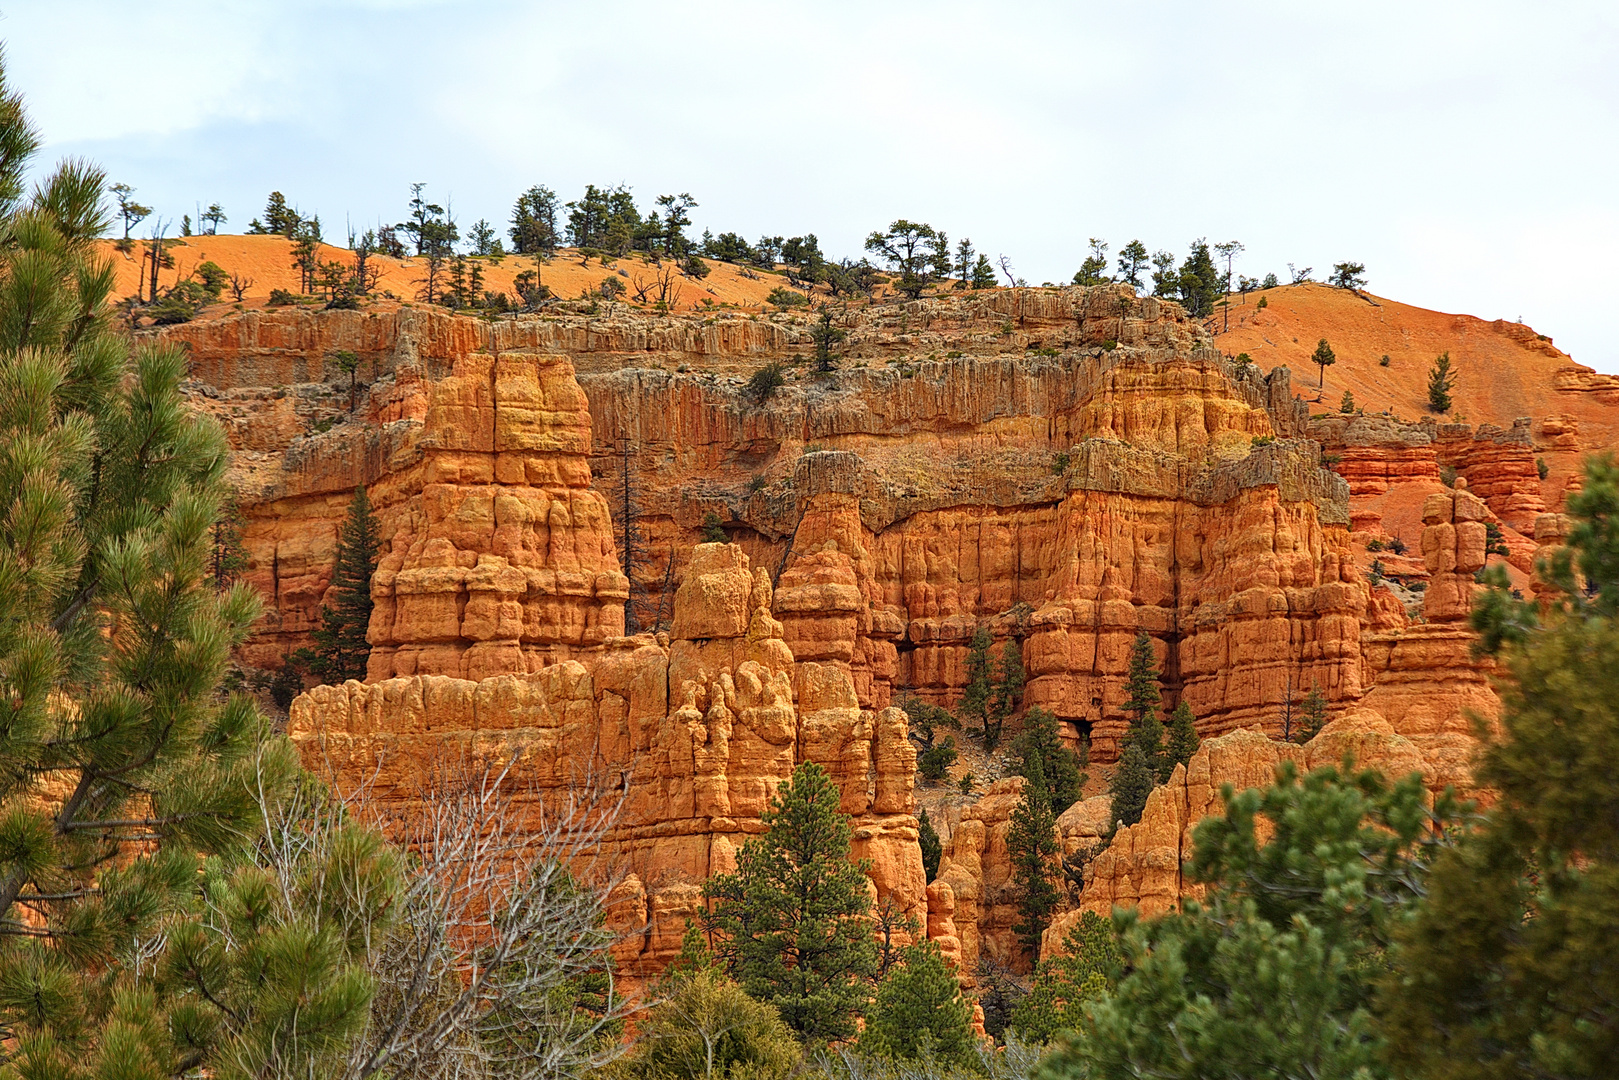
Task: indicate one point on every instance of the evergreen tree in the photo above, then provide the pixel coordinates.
(1183, 740)
(932, 847)
(1347, 405)
(121, 768)
(1148, 735)
(534, 229)
(909, 249)
(1132, 261)
(1348, 275)
(1313, 717)
(1132, 782)
(1060, 766)
(1274, 972)
(1141, 680)
(1031, 841)
(694, 956)
(341, 649)
(792, 923)
(1440, 382)
(1199, 280)
(983, 276)
(826, 337)
(975, 696)
(1508, 967)
(1005, 693)
(707, 1028)
(1087, 971)
(919, 1012)
(1093, 271)
(713, 529)
(1323, 358)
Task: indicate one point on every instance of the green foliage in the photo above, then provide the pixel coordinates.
(925, 720)
(212, 277)
(1374, 573)
(280, 298)
(765, 382)
(1063, 985)
(1347, 405)
(1541, 468)
(1323, 358)
(1440, 383)
(826, 337)
(1384, 362)
(783, 297)
(1059, 766)
(983, 276)
(1273, 974)
(1132, 261)
(1148, 734)
(1270, 283)
(912, 250)
(1141, 680)
(534, 227)
(1506, 970)
(1131, 783)
(1495, 541)
(1031, 841)
(1313, 716)
(934, 762)
(1199, 281)
(1348, 275)
(932, 846)
(707, 1028)
(919, 1012)
(975, 695)
(713, 531)
(1183, 739)
(791, 924)
(1060, 462)
(1093, 271)
(1005, 692)
(341, 649)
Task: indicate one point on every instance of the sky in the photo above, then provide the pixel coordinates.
(1466, 153)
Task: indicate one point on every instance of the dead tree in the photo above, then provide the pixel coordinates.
(239, 286)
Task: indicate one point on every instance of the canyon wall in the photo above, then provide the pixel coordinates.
(1066, 468)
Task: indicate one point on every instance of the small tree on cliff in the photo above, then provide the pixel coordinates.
(1005, 693)
(1060, 766)
(1031, 841)
(975, 696)
(792, 923)
(1323, 358)
(1141, 681)
(1440, 382)
(1183, 740)
(1132, 782)
(932, 846)
(341, 650)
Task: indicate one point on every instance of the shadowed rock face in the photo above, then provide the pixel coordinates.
(1066, 467)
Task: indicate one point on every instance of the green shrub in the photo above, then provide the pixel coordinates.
(281, 298)
(784, 298)
(1541, 468)
(935, 761)
(708, 1027)
(765, 382)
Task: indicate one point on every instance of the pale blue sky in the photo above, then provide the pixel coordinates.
(1465, 152)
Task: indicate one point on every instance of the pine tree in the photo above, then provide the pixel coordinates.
(975, 696)
(1313, 717)
(792, 923)
(122, 770)
(1274, 972)
(1507, 970)
(1183, 740)
(694, 957)
(1323, 358)
(1005, 693)
(1347, 405)
(932, 847)
(1088, 969)
(1148, 736)
(919, 1012)
(341, 650)
(1141, 682)
(1440, 382)
(1060, 766)
(1031, 841)
(1132, 782)
(713, 529)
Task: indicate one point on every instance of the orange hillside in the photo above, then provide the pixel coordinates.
(267, 260)
(1502, 370)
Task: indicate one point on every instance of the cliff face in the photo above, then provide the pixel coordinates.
(1064, 467)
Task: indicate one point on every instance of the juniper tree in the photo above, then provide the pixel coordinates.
(340, 648)
(1031, 841)
(919, 1013)
(1507, 969)
(792, 922)
(1323, 358)
(826, 337)
(1440, 382)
